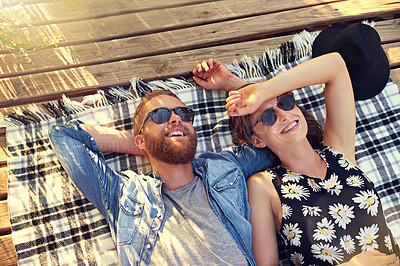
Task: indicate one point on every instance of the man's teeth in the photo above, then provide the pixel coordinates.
(292, 125)
(175, 134)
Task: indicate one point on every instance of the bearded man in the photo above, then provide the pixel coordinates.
(187, 210)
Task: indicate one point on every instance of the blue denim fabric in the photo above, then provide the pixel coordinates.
(132, 203)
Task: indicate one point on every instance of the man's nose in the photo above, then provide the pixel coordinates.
(174, 118)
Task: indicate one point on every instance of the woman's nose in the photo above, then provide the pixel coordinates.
(282, 115)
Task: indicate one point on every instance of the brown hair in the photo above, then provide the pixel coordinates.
(141, 111)
(242, 127)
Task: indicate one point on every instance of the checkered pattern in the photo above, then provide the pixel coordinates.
(53, 223)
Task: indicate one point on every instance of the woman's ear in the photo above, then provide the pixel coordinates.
(139, 141)
(257, 142)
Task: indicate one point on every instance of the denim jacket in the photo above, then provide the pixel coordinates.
(132, 203)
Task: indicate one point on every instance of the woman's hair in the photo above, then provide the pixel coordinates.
(242, 127)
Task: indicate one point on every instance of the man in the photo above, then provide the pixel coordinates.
(187, 210)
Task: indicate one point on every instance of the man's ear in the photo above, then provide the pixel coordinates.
(139, 141)
(257, 142)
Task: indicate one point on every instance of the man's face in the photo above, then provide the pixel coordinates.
(172, 142)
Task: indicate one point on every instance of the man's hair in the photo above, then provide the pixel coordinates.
(141, 110)
(242, 127)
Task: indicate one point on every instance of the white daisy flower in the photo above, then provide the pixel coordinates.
(346, 164)
(271, 174)
(355, 181)
(332, 185)
(322, 155)
(294, 191)
(292, 233)
(366, 237)
(347, 243)
(342, 214)
(388, 243)
(297, 258)
(326, 252)
(325, 230)
(286, 211)
(333, 151)
(368, 200)
(291, 176)
(311, 210)
(315, 187)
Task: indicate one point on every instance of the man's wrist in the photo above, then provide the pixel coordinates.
(236, 83)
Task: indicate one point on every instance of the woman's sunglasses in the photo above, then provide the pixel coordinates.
(285, 102)
(162, 115)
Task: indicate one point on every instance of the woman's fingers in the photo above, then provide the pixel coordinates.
(234, 106)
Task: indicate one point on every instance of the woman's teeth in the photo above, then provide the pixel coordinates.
(291, 126)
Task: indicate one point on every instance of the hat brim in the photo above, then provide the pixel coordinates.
(365, 87)
(368, 77)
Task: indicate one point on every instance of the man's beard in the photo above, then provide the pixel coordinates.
(173, 152)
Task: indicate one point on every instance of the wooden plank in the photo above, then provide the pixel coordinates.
(84, 80)
(51, 12)
(393, 52)
(102, 52)
(8, 256)
(5, 225)
(147, 22)
(389, 30)
(119, 73)
(142, 4)
(3, 183)
(167, 42)
(3, 147)
(395, 75)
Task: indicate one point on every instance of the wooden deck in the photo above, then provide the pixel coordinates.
(107, 42)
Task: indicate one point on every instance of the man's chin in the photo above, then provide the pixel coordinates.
(180, 150)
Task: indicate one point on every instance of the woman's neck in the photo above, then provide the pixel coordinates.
(303, 159)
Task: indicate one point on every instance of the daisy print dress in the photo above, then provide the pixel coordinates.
(329, 221)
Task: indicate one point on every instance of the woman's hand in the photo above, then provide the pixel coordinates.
(244, 101)
(213, 75)
(373, 257)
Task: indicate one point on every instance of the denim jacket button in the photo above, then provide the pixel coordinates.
(231, 183)
(148, 246)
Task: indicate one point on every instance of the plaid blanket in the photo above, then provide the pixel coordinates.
(53, 223)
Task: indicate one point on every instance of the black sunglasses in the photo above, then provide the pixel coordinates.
(162, 115)
(285, 102)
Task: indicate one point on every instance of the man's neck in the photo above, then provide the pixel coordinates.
(174, 176)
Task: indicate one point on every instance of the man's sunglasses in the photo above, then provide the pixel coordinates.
(285, 102)
(162, 115)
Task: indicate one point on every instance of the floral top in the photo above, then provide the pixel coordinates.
(330, 221)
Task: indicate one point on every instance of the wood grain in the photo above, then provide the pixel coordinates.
(3, 182)
(5, 225)
(8, 256)
(63, 11)
(51, 85)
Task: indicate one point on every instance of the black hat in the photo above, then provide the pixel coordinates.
(360, 47)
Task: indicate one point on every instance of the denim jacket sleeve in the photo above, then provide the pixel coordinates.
(249, 159)
(81, 158)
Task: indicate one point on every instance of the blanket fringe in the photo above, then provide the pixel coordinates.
(246, 68)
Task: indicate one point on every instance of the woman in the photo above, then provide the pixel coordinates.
(319, 202)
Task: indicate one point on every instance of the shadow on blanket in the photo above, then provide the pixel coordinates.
(53, 223)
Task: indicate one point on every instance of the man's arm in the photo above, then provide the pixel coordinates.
(84, 163)
(213, 75)
(113, 140)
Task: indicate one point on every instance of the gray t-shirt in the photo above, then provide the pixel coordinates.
(192, 233)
